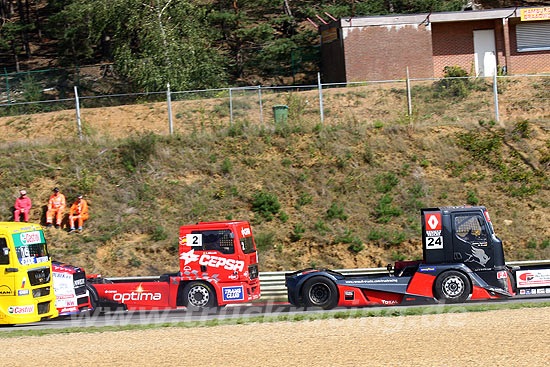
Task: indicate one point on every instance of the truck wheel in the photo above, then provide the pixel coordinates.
(320, 292)
(198, 295)
(452, 287)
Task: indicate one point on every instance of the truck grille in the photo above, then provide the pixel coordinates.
(79, 279)
(253, 271)
(39, 276)
(43, 307)
(40, 292)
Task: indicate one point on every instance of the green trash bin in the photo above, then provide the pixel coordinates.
(280, 113)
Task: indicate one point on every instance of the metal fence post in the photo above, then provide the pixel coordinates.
(409, 102)
(495, 92)
(320, 86)
(169, 102)
(230, 108)
(261, 104)
(77, 103)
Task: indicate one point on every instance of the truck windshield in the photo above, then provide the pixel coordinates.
(30, 247)
(247, 244)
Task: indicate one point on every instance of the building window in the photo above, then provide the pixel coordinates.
(533, 36)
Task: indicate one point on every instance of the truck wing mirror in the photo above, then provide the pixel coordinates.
(5, 251)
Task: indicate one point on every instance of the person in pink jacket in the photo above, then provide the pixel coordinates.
(22, 206)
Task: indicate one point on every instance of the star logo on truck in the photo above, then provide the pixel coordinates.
(189, 257)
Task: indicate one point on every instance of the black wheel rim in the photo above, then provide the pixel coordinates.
(319, 294)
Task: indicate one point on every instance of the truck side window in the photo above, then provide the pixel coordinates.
(219, 240)
(4, 258)
(470, 228)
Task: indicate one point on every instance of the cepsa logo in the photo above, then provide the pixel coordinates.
(526, 277)
(212, 261)
(138, 295)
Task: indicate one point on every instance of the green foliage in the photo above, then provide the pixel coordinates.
(264, 240)
(384, 211)
(136, 151)
(227, 166)
(321, 227)
(375, 235)
(283, 217)
(299, 231)
(303, 200)
(471, 198)
(265, 204)
(385, 182)
(336, 212)
(397, 256)
(454, 88)
(532, 244)
(522, 128)
(159, 233)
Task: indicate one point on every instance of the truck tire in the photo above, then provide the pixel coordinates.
(452, 287)
(198, 295)
(320, 292)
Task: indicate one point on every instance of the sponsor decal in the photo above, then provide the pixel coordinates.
(533, 278)
(21, 310)
(426, 268)
(212, 260)
(349, 295)
(502, 275)
(30, 238)
(478, 256)
(487, 216)
(540, 291)
(548, 290)
(527, 291)
(68, 309)
(23, 282)
(32, 260)
(433, 221)
(23, 292)
(233, 293)
(61, 303)
(370, 281)
(245, 231)
(79, 282)
(522, 291)
(5, 290)
(183, 241)
(233, 276)
(194, 240)
(389, 302)
(138, 295)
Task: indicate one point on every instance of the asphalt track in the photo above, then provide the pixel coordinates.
(124, 318)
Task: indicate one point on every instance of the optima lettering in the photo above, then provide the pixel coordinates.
(137, 296)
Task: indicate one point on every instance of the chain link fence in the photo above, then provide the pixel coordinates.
(377, 104)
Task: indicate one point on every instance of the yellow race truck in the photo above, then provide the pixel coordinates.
(26, 289)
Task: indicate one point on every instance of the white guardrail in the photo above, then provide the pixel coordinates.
(273, 282)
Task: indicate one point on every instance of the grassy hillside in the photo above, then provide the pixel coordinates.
(344, 195)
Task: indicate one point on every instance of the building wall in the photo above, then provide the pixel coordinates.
(453, 44)
(526, 62)
(384, 52)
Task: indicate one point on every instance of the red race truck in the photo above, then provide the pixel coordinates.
(218, 266)
(463, 259)
(69, 286)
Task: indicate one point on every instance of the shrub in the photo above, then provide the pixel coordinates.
(265, 204)
(299, 231)
(137, 151)
(264, 240)
(385, 182)
(227, 166)
(335, 212)
(384, 211)
(454, 88)
(304, 199)
(471, 198)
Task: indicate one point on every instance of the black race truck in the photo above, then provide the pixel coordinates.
(463, 260)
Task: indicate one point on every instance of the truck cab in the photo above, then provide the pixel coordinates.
(26, 291)
(218, 265)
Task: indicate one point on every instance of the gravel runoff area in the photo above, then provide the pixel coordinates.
(505, 337)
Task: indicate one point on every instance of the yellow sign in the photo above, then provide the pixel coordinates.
(329, 35)
(535, 14)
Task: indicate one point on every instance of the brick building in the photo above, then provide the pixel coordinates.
(382, 47)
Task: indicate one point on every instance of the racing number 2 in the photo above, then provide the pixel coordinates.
(194, 240)
(434, 243)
